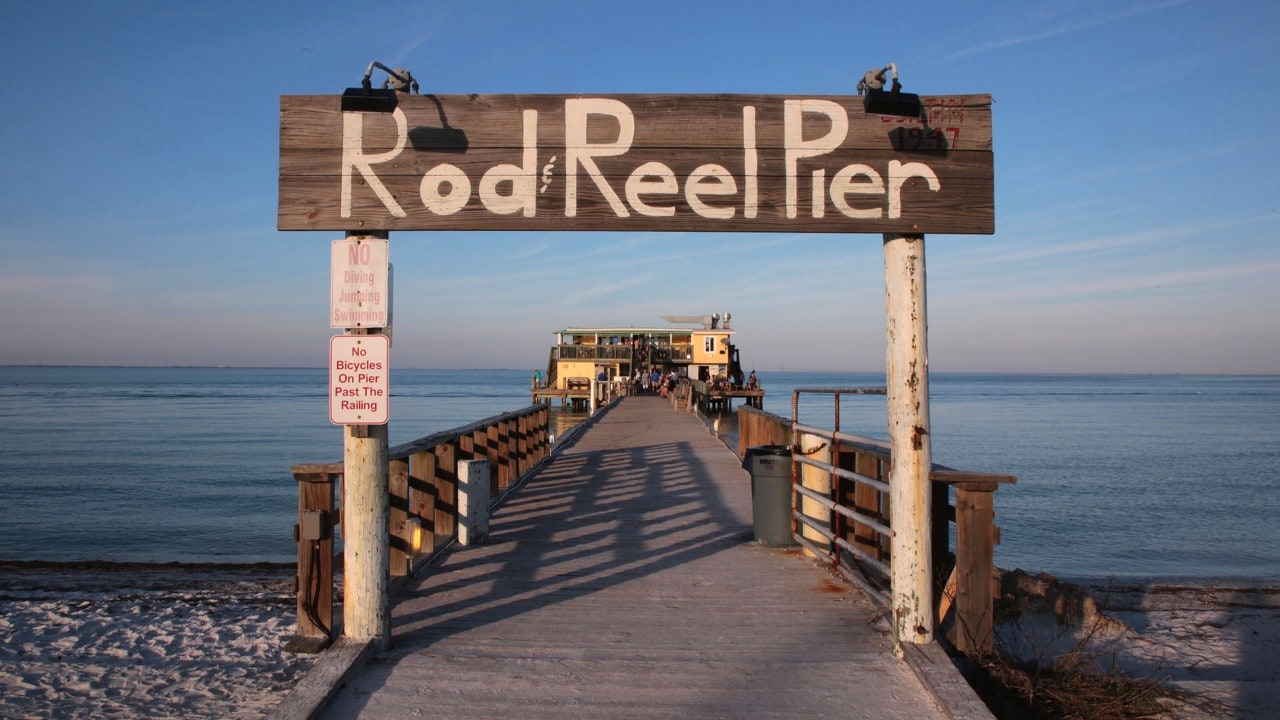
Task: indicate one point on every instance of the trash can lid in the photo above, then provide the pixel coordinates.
(769, 450)
(764, 450)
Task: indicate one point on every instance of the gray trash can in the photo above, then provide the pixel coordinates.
(770, 468)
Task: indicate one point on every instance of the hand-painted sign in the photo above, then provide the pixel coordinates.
(637, 162)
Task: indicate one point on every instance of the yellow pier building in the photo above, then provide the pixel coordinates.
(623, 360)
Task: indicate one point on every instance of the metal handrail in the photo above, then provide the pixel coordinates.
(850, 513)
(841, 472)
(812, 523)
(824, 532)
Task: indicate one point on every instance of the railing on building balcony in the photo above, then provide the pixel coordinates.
(652, 353)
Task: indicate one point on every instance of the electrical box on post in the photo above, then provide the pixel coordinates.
(315, 525)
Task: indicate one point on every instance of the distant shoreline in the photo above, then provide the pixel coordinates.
(109, 567)
(27, 579)
(123, 566)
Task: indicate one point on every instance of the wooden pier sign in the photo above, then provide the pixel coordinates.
(754, 163)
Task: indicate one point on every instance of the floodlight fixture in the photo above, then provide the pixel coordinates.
(366, 98)
(878, 101)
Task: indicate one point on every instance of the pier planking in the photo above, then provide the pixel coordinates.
(622, 581)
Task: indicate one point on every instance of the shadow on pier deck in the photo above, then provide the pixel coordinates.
(622, 582)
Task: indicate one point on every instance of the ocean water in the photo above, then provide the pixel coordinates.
(189, 464)
(1133, 477)
(1124, 476)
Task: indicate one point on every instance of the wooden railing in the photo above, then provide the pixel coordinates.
(710, 400)
(423, 497)
(594, 352)
(674, 353)
(841, 512)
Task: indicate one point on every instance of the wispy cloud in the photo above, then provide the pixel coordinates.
(1064, 27)
(533, 250)
(421, 28)
(967, 265)
(1182, 157)
(1107, 243)
(63, 284)
(1222, 276)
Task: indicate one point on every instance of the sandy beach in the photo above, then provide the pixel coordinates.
(206, 641)
(145, 641)
(1219, 642)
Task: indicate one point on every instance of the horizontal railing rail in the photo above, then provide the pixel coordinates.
(708, 398)
(653, 353)
(422, 477)
(840, 512)
(594, 352)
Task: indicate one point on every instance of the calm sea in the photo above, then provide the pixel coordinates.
(1125, 476)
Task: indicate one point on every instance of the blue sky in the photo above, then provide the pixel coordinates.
(1137, 221)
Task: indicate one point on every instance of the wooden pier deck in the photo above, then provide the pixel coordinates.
(622, 581)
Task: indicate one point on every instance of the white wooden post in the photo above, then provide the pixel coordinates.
(907, 384)
(818, 480)
(366, 605)
(473, 501)
(366, 544)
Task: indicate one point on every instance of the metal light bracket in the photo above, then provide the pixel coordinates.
(366, 98)
(878, 101)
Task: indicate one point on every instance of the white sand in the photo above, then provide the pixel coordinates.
(1220, 642)
(208, 642)
(145, 641)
